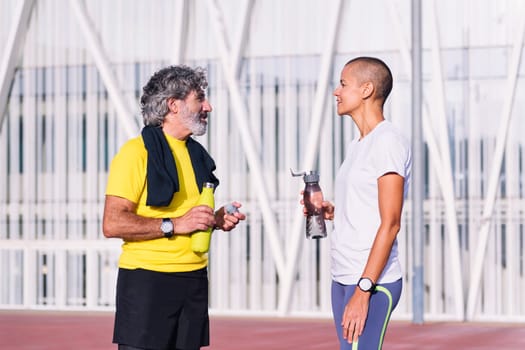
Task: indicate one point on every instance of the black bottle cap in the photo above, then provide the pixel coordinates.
(312, 176)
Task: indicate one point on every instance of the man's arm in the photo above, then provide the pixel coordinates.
(120, 221)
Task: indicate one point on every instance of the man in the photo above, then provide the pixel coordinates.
(371, 184)
(152, 191)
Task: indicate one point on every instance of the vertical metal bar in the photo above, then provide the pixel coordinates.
(311, 151)
(219, 267)
(240, 42)
(474, 138)
(417, 167)
(501, 139)
(512, 294)
(74, 267)
(17, 257)
(59, 186)
(90, 179)
(28, 171)
(434, 271)
(6, 273)
(181, 31)
(13, 50)
(256, 264)
(436, 156)
(99, 55)
(239, 112)
(92, 276)
(446, 171)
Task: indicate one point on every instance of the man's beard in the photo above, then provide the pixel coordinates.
(193, 121)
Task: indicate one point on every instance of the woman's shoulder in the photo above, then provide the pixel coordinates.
(389, 135)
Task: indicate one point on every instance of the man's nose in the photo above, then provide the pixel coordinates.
(206, 106)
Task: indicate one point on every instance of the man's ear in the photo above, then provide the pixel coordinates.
(368, 89)
(173, 105)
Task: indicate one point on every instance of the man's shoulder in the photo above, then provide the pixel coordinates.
(131, 151)
(135, 145)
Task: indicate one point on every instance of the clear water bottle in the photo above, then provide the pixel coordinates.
(313, 199)
(200, 240)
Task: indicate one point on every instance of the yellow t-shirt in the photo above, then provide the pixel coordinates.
(127, 179)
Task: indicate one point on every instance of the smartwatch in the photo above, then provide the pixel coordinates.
(167, 227)
(366, 284)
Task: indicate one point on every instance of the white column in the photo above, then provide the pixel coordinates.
(240, 112)
(436, 155)
(446, 170)
(12, 52)
(181, 31)
(96, 49)
(501, 139)
(323, 82)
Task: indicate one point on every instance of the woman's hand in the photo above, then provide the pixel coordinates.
(328, 208)
(355, 314)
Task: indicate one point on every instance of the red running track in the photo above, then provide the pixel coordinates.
(31, 330)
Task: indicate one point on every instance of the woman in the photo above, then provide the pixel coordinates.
(371, 185)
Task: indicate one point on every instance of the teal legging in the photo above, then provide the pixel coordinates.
(382, 302)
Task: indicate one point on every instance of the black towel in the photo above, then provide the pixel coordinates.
(162, 177)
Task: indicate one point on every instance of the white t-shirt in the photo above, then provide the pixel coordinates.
(356, 217)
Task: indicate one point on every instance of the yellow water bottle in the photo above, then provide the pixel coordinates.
(200, 240)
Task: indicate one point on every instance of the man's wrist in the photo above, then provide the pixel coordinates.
(167, 227)
(173, 221)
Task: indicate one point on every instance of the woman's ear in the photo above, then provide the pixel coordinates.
(367, 90)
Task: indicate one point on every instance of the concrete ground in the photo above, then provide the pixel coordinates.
(29, 330)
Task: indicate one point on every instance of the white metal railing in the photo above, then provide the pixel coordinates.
(80, 273)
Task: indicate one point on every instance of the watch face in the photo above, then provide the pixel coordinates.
(166, 226)
(365, 284)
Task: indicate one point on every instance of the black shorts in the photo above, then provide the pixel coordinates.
(161, 310)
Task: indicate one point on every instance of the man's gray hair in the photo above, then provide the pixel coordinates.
(171, 82)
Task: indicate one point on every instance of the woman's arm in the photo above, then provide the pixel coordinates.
(390, 201)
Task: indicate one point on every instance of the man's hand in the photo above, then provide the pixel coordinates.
(199, 218)
(226, 221)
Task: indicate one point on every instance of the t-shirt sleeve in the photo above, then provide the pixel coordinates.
(127, 172)
(391, 155)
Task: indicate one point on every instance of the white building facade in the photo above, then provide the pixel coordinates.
(71, 75)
